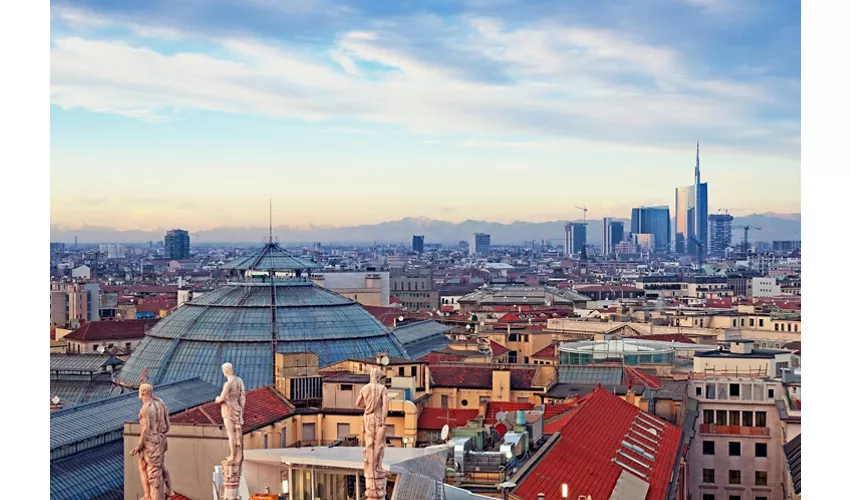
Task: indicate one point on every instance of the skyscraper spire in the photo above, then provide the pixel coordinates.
(696, 172)
(270, 220)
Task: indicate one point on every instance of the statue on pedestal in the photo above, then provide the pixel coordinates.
(152, 446)
(232, 401)
(373, 398)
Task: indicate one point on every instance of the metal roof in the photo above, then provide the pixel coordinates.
(235, 324)
(95, 473)
(75, 392)
(591, 375)
(86, 426)
(271, 258)
(422, 337)
(794, 454)
(81, 362)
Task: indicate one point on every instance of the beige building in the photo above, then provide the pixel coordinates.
(369, 288)
(741, 357)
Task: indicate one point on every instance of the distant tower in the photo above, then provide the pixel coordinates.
(575, 238)
(480, 244)
(177, 244)
(419, 244)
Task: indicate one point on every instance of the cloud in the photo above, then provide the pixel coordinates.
(469, 76)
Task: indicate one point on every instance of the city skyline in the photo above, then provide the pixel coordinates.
(336, 106)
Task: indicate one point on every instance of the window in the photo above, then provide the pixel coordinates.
(776, 326)
(734, 390)
(761, 322)
(265, 441)
(283, 438)
(401, 371)
(761, 419)
(94, 347)
(444, 401)
(721, 417)
(708, 416)
(734, 477)
(708, 475)
(734, 497)
(413, 371)
(127, 345)
(761, 449)
(464, 402)
(708, 447)
(342, 430)
(747, 418)
(707, 496)
(734, 418)
(390, 430)
(796, 327)
(699, 391)
(346, 387)
(752, 322)
(483, 400)
(770, 394)
(734, 449)
(761, 498)
(526, 337)
(761, 478)
(526, 360)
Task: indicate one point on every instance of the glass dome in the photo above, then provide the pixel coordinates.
(243, 323)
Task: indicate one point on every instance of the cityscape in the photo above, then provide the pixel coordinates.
(454, 251)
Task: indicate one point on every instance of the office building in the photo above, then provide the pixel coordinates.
(177, 244)
(575, 237)
(691, 215)
(480, 244)
(654, 221)
(419, 244)
(719, 233)
(612, 233)
(787, 246)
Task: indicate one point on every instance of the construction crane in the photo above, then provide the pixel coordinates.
(583, 209)
(745, 245)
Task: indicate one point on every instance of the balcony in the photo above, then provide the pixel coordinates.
(732, 430)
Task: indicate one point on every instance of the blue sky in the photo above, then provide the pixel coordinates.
(194, 113)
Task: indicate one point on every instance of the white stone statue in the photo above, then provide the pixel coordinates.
(232, 401)
(373, 399)
(153, 418)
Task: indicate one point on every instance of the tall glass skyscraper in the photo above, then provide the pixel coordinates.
(612, 233)
(719, 234)
(177, 244)
(691, 215)
(575, 237)
(654, 221)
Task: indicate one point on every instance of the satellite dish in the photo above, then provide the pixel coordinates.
(101, 349)
(400, 319)
(500, 417)
(55, 400)
(385, 360)
(444, 433)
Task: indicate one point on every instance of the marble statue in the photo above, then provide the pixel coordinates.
(373, 399)
(232, 401)
(153, 418)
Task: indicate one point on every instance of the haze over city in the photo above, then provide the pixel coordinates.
(330, 109)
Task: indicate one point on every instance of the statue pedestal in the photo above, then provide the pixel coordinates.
(376, 487)
(232, 474)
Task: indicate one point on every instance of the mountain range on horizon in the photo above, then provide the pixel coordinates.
(773, 227)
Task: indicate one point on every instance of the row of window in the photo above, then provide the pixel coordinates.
(735, 417)
(737, 391)
(415, 286)
(735, 449)
(735, 477)
(710, 496)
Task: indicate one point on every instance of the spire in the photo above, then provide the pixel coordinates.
(270, 221)
(696, 171)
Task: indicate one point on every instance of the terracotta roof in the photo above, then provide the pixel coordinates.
(478, 377)
(111, 330)
(591, 440)
(178, 496)
(433, 419)
(633, 376)
(388, 315)
(263, 406)
(497, 349)
(155, 306)
(547, 352)
(441, 357)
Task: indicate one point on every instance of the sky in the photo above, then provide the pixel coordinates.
(195, 113)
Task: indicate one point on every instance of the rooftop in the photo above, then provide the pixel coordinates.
(271, 257)
(598, 445)
(435, 418)
(86, 363)
(755, 354)
(479, 377)
(111, 330)
(794, 455)
(263, 406)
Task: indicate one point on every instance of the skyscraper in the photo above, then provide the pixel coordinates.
(654, 221)
(612, 233)
(419, 244)
(719, 233)
(575, 237)
(480, 244)
(177, 244)
(691, 214)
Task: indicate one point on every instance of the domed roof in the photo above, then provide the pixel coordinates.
(242, 323)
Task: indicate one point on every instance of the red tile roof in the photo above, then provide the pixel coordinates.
(497, 348)
(156, 306)
(590, 440)
(433, 419)
(178, 496)
(547, 352)
(441, 357)
(633, 376)
(479, 377)
(388, 315)
(111, 330)
(263, 406)
(494, 407)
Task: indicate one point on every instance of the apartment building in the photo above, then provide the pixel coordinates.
(415, 289)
